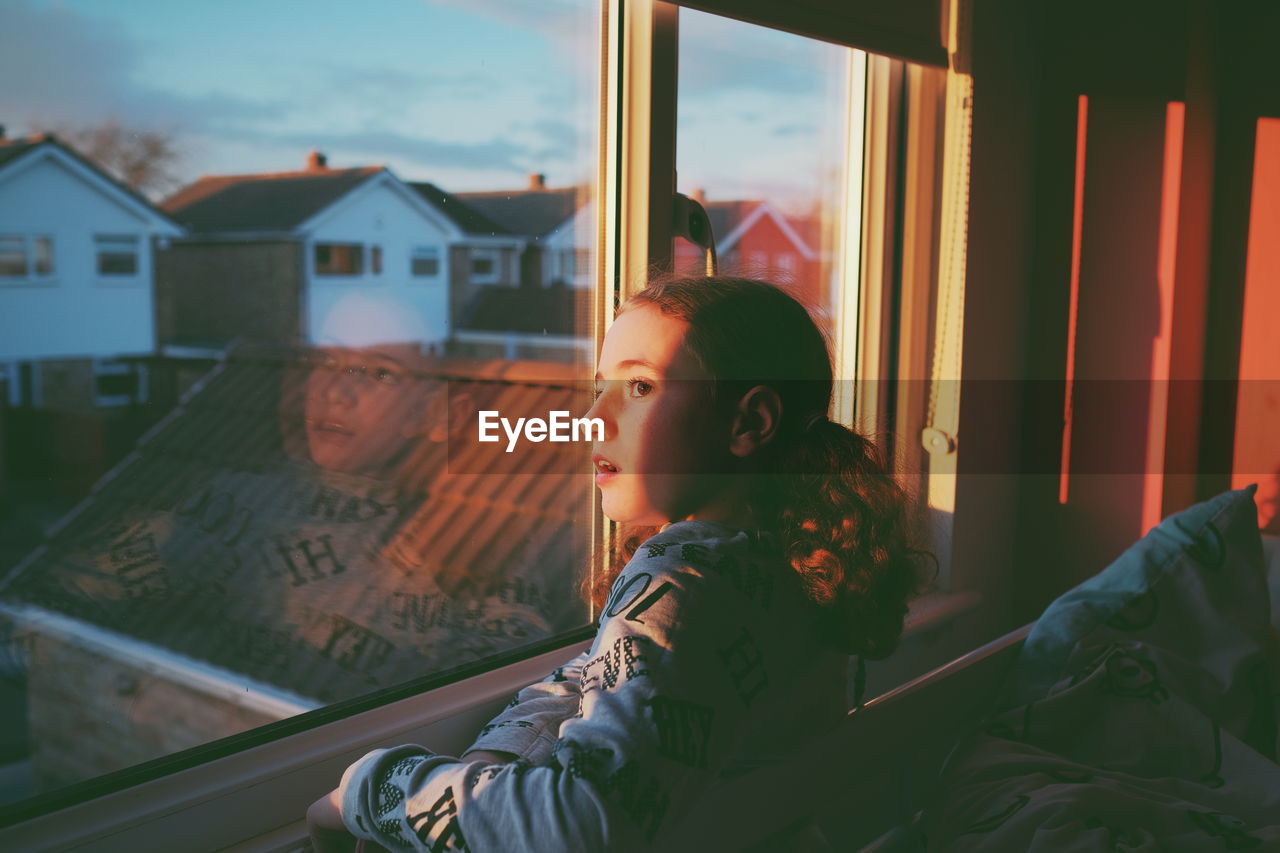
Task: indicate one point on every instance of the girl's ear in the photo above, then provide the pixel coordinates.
(756, 421)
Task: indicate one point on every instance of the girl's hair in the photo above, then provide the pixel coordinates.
(825, 492)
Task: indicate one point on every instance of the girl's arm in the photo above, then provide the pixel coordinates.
(665, 702)
(528, 727)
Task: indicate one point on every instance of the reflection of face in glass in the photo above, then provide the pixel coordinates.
(662, 436)
(364, 406)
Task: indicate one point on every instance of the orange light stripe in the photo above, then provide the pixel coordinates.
(1077, 229)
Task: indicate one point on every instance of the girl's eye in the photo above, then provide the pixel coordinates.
(386, 376)
(639, 387)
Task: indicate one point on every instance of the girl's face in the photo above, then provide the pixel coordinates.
(361, 407)
(664, 444)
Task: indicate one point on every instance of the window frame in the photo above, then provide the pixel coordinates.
(32, 276)
(425, 253)
(358, 253)
(267, 787)
(484, 253)
(100, 252)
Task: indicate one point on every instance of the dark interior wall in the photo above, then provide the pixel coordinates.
(1130, 60)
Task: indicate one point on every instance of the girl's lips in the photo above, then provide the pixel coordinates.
(329, 431)
(604, 468)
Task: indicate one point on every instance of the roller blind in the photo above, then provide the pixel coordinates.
(905, 29)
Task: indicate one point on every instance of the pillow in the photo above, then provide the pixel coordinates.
(1141, 714)
(1219, 536)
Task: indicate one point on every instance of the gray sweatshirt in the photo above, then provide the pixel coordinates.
(705, 665)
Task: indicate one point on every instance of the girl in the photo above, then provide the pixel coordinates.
(768, 543)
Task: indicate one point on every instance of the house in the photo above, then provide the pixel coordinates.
(754, 238)
(525, 299)
(76, 278)
(267, 256)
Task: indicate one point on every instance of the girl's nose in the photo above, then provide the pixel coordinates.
(335, 385)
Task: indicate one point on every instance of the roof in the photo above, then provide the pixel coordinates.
(727, 215)
(531, 213)
(12, 150)
(466, 217)
(273, 203)
(536, 310)
(215, 541)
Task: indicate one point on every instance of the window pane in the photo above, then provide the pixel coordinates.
(117, 255)
(44, 255)
(425, 263)
(339, 258)
(13, 256)
(236, 492)
(762, 125)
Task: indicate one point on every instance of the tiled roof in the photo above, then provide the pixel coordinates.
(271, 203)
(532, 213)
(536, 310)
(219, 541)
(727, 215)
(466, 217)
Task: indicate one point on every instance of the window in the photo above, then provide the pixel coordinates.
(485, 267)
(117, 254)
(424, 262)
(25, 257)
(276, 531)
(339, 258)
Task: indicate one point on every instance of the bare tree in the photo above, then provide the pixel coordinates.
(143, 159)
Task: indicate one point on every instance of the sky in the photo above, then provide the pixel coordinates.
(469, 94)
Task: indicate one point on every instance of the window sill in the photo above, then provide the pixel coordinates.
(28, 282)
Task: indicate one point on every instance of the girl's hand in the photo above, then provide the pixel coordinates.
(328, 833)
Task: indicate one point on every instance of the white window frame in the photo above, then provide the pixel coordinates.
(254, 800)
(494, 256)
(101, 243)
(32, 275)
(114, 367)
(426, 253)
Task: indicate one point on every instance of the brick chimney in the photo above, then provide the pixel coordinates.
(699, 195)
(537, 182)
(317, 161)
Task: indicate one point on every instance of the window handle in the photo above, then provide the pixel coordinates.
(689, 220)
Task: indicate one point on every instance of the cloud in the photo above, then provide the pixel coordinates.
(64, 70)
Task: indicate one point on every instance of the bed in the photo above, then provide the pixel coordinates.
(1138, 713)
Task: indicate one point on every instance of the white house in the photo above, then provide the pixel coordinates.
(269, 255)
(76, 259)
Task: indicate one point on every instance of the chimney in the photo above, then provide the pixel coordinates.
(699, 195)
(2, 132)
(537, 182)
(317, 161)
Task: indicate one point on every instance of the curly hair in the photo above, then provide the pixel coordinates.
(824, 490)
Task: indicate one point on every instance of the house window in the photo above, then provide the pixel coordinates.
(339, 258)
(424, 262)
(25, 257)
(375, 259)
(117, 254)
(485, 266)
(786, 263)
(119, 383)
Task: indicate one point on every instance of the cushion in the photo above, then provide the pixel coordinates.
(1142, 712)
